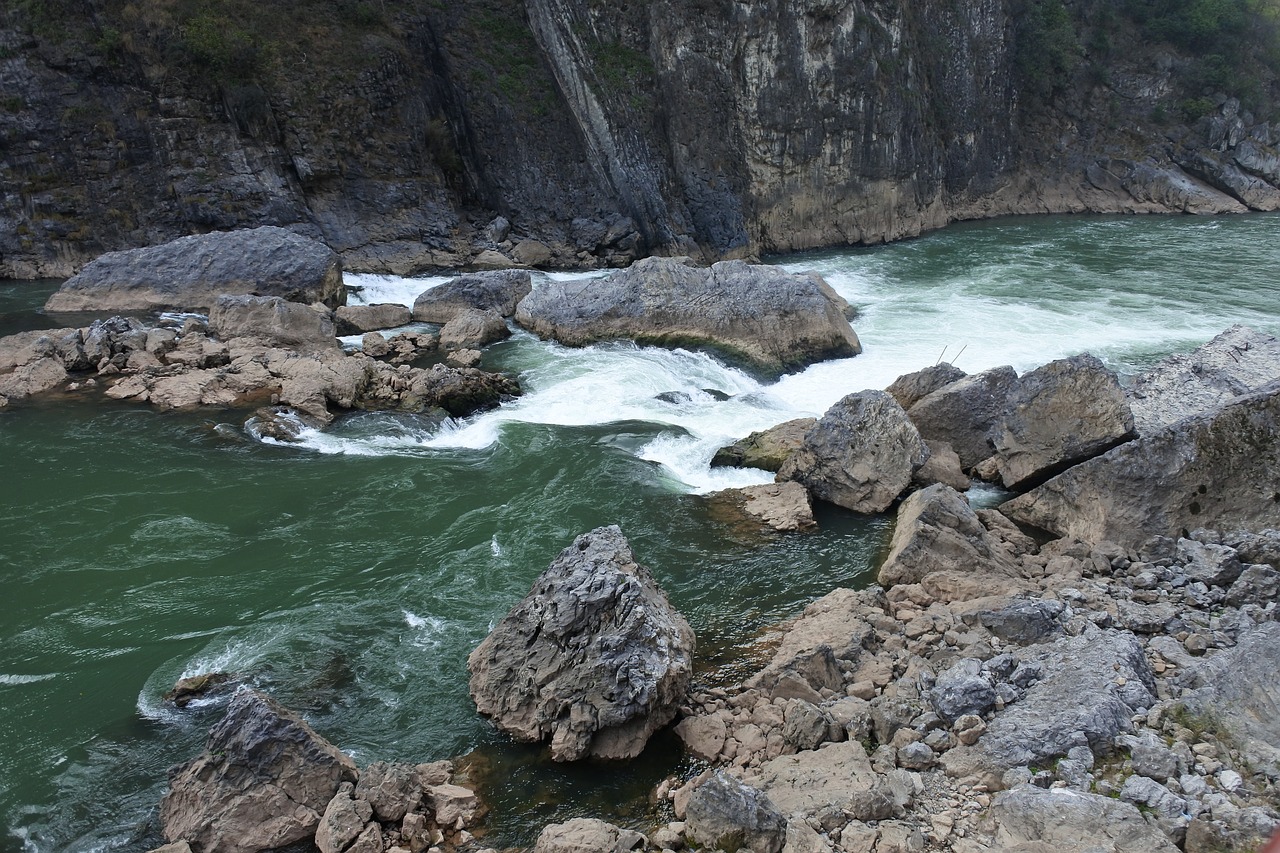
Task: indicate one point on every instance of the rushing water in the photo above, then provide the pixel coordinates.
(350, 576)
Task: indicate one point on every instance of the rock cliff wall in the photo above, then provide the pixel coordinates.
(577, 133)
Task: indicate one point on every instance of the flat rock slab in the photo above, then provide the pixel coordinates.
(784, 507)
(594, 658)
(1218, 471)
(1239, 361)
(802, 784)
(1027, 818)
(190, 273)
(769, 318)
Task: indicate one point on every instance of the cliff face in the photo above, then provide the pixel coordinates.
(581, 133)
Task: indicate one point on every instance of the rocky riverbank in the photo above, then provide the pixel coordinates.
(1107, 686)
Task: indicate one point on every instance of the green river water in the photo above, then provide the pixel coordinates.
(350, 576)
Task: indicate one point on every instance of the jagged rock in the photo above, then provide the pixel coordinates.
(391, 790)
(190, 273)
(911, 388)
(456, 805)
(966, 413)
(1141, 790)
(937, 531)
(594, 658)
(460, 391)
(1257, 584)
(272, 320)
(194, 687)
(962, 689)
(375, 345)
(1215, 565)
(726, 814)
(805, 725)
(1020, 620)
(766, 449)
(344, 819)
(1241, 695)
(262, 782)
(465, 358)
(703, 736)
(1092, 685)
(784, 507)
(1029, 818)
(586, 835)
(358, 319)
(942, 466)
(770, 318)
(1060, 414)
(860, 455)
(472, 328)
(36, 377)
(1217, 470)
(1236, 362)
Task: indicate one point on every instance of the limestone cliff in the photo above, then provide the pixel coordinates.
(578, 133)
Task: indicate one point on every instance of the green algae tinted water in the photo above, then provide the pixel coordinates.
(350, 576)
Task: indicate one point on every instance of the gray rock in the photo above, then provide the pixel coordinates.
(937, 530)
(1260, 547)
(916, 756)
(1154, 760)
(343, 821)
(766, 449)
(1257, 584)
(471, 328)
(1093, 684)
(942, 466)
(910, 388)
(358, 319)
(1241, 694)
(1060, 414)
(1028, 818)
(860, 455)
(594, 658)
(805, 726)
(703, 736)
(391, 790)
(263, 781)
(1236, 362)
(190, 273)
(1141, 790)
(772, 319)
(784, 507)
(500, 291)
(1075, 774)
(272, 320)
(966, 413)
(1213, 565)
(1022, 621)
(725, 814)
(1215, 470)
(962, 689)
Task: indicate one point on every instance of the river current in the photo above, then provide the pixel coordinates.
(350, 575)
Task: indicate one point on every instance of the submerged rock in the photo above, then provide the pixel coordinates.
(860, 455)
(772, 319)
(190, 273)
(594, 658)
(263, 781)
(194, 687)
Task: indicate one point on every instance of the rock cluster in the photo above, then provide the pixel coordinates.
(267, 780)
(594, 659)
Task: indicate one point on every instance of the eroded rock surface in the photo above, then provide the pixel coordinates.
(499, 291)
(594, 658)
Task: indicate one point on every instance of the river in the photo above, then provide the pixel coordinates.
(349, 576)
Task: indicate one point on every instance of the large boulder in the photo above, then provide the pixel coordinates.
(472, 328)
(1240, 696)
(772, 319)
(1218, 471)
(966, 413)
(190, 273)
(938, 531)
(766, 449)
(357, 319)
(272, 320)
(263, 781)
(1236, 362)
(499, 290)
(1028, 818)
(725, 814)
(1060, 414)
(859, 455)
(593, 658)
(911, 388)
(1092, 686)
(586, 835)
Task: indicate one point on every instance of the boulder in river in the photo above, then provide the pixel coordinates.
(1062, 413)
(594, 658)
(766, 449)
(966, 413)
(499, 290)
(263, 781)
(190, 273)
(1236, 362)
(358, 319)
(772, 319)
(1220, 469)
(472, 328)
(859, 455)
(911, 388)
(272, 320)
(938, 531)
(784, 507)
